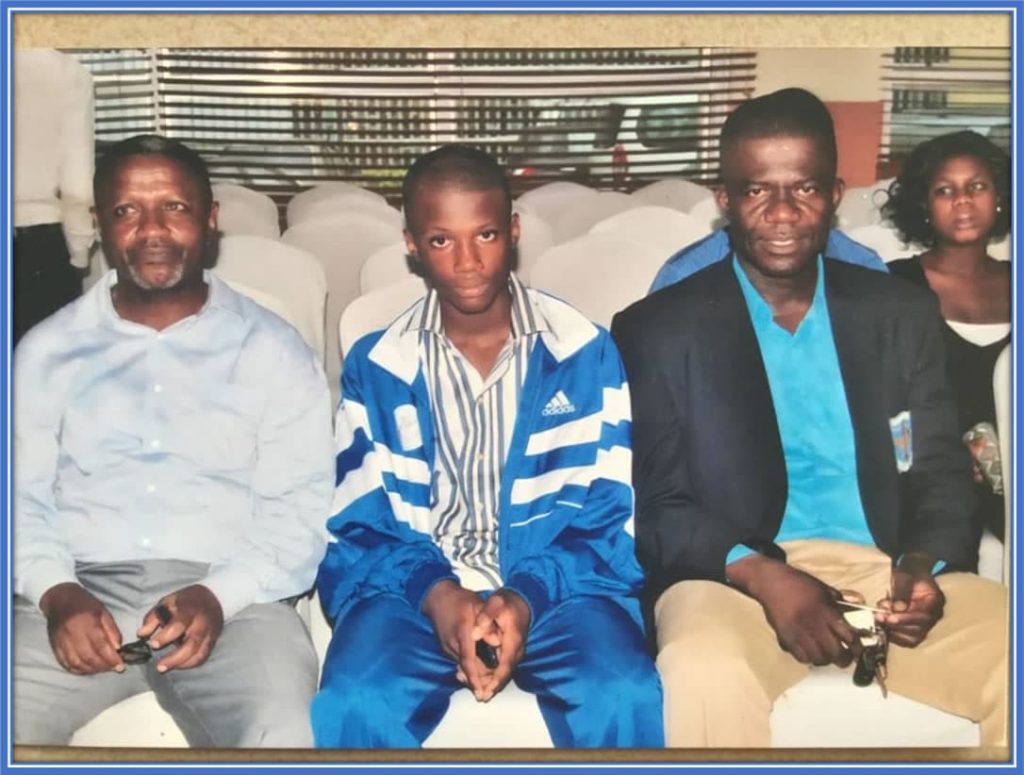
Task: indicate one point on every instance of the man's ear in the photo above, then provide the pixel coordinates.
(513, 228)
(722, 198)
(211, 220)
(838, 189)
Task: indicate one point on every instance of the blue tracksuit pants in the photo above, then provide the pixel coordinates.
(386, 683)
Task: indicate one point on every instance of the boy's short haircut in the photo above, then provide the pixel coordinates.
(788, 112)
(454, 166)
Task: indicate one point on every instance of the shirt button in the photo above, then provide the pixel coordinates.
(155, 443)
(479, 505)
(151, 488)
(158, 388)
(144, 543)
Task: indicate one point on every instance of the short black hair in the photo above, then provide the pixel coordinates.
(146, 145)
(907, 207)
(454, 166)
(785, 113)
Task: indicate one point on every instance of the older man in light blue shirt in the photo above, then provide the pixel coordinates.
(173, 472)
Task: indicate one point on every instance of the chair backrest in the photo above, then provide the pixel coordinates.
(1002, 391)
(861, 206)
(578, 217)
(662, 227)
(1001, 250)
(551, 198)
(244, 211)
(375, 310)
(332, 207)
(599, 274)
(707, 212)
(305, 202)
(341, 245)
(385, 266)
(884, 240)
(676, 193)
(535, 236)
(291, 277)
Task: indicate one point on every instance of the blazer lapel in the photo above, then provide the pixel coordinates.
(732, 356)
(865, 364)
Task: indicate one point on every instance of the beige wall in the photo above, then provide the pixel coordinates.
(849, 81)
(834, 74)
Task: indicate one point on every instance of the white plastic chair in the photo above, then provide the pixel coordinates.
(332, 207)
(884, 240)
(385, 266)
(826, 710)
(599, 274)
(244, 211)
(676, 193)
(341, 245)
(535, 236)
(861, 206)
(577, 218)
(1001, 250)
(550, 199)
(707, 211)
(662, 227)
(305, 202)
(291, 277)
(375, 310)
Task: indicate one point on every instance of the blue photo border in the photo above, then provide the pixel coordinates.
(11, 7)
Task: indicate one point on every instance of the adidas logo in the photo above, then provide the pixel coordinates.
(559, 404)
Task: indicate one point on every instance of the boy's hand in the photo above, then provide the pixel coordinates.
(453, 611)
(195, 624)
(83, 634)
(917, 603)
(503, 623)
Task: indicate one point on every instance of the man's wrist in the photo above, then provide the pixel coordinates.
(747, 573)
(56, 596)
(919, 564)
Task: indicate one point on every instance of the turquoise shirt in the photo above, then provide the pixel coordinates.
(814, 423)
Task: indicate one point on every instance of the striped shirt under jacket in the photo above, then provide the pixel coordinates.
(566, 500)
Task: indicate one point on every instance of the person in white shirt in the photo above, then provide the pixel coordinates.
(53, 164)
(174, 469)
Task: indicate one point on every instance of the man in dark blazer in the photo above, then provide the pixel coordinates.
(794, 436)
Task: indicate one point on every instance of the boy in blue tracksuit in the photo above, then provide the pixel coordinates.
(483, 513)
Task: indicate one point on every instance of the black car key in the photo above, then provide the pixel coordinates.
(487, 654)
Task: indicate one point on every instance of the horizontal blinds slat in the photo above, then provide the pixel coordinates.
(285, 119)
(933, 91)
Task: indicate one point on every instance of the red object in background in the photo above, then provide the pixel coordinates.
(620, 165)
(858, 139)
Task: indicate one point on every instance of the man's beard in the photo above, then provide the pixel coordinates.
(133, 261)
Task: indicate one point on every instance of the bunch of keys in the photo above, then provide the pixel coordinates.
(871, 664)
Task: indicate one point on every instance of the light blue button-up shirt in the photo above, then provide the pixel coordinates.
(814, 423)
(209, 441)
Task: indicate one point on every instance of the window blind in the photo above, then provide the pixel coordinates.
(936, 90)
(281, 120)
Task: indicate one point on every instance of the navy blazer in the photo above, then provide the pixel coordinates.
(708, 465)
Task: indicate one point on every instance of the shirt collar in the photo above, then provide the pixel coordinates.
(761, 312)
(98, 307)
(525, 319)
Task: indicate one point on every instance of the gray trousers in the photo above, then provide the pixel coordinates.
(253, 691)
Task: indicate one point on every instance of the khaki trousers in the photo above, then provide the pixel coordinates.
(722, 668)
